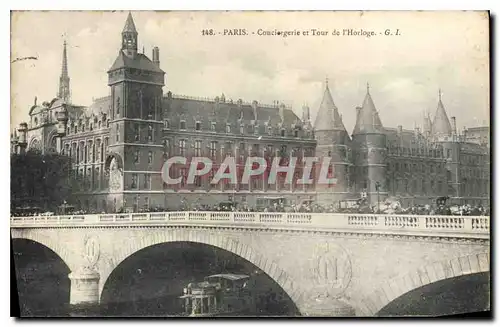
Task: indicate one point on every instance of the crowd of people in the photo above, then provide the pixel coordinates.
(311, 207)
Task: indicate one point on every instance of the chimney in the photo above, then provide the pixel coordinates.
(453, 125)
(156, 56)
(305, 114)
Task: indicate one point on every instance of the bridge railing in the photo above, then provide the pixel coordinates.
(320, 221)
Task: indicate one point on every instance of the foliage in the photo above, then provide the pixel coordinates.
(40, 180)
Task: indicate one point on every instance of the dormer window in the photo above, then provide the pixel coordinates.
(296, 133)
(99, 124)
(182, 124)
(36, 121)
(166, 124)
(242, 129)
(197, 126)
(76, 129)
(91, 127)
(212, 127)
(228, 128)
(282, 132)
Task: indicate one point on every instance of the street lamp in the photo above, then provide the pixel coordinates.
(377, 188)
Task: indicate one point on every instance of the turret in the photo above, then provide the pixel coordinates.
(129, 38)
(441, 125)
(23, 137)
(369, 144)
(62, 121)
(333, 142)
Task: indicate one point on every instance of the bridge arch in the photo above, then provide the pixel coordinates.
(428, 274)
(270, 267)
(68, 257)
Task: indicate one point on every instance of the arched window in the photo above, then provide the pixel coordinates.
(150, 133)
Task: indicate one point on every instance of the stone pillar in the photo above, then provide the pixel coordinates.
(84, 287)
(327, 307)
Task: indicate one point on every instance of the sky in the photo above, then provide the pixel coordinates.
(434, 50)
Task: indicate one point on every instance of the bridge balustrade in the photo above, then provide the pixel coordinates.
(363, 222)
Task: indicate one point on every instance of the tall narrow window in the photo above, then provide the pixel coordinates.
(147, 181)
(166, 148)
(134, 181)
(150, 133)
(117, 133)
(197, 148)
(228, 128)
(213, 149)
(137, 132)
(136, 156)
(198, 126)
(182, 147)
(150, 157)
(182, 125)
(117, 105)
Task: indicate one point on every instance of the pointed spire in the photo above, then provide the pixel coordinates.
(328, 117)
(441, 124)
(64, 90)
(64, 71)
(129, 24)
(368, 120)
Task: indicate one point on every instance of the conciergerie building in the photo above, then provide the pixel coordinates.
(119, 143)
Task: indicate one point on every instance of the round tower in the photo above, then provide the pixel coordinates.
(370, 151)
(333, 144)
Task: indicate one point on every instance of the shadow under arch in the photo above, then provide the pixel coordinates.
(240, 249)
(42, 279)
(63, 252)
(435, 272)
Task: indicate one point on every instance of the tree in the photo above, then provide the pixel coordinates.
(40, 180)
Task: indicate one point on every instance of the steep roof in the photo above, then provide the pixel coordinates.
(367, 119)
(207, 111)
(441, 124)
(139, 61)
(129, 25)
(328, 117)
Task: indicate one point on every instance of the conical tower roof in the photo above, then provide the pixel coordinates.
(368, 120)
(441, 124)
(129, 24)
(328, 117)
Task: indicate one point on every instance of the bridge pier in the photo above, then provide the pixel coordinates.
(84, 287)
(327, 307)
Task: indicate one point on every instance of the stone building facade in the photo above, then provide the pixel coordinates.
(119, 143)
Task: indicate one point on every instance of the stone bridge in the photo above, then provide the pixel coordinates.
(328, 264)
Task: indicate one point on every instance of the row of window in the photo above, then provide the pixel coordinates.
(408, 167)
(227, 149)
(137, 157)
(88, 152)
(73, 129)
(403, 151)
(251, 129)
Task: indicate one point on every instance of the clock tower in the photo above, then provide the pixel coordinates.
(136, 128)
